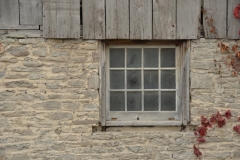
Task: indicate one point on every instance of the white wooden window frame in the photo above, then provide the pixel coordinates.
(147, 118)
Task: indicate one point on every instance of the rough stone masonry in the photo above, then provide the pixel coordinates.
(49, 105)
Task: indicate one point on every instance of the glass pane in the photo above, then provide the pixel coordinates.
(116, 79)
(168, 79)
(150, 101)
(117, 102)
(151, 57)
(168, 57)
(168, 101)
(117, 57)
(150, 79)
(134, 57)
(134, 79)
(134, 101)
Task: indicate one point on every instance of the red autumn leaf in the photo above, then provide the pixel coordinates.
(196, 151)
(228, 114)
(236, 11)
(237, 128)
(201, 139)
(202, 131)
(205, 122)
(221, 122)
(195, 133)
(213, 119)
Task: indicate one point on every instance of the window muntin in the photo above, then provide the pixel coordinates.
(142, 79)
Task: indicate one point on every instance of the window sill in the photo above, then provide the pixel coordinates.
(143, 123)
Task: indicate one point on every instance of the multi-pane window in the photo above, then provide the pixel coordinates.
(142, 84)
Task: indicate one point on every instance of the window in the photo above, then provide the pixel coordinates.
(144, 85)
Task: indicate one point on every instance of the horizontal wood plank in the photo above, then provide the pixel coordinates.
(17, 27)
(215, 18)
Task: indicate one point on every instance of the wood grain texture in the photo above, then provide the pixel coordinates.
(102, 80)
(9, 13)
(30, 12)
(214, 18)
(188, 19)
(141, 19)
(117, 19)
(2, 26)
(60, 1)
(164, 19)
(93, 19)
(61, 20)
(184, 81)
(233, 24)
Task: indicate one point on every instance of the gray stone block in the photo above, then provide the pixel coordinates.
(24, 84)
(53, 85)
(57, 54)
(41, 52)
(93, 82)
(8, 106)
(58, 69)
(201, 81)
(90, 107)
(20, 157)
(90, 94)
(76, 83)
(16, 76)
(61, 116)
(28, 41)
(18, 51)
(50, 105)
(32, 64)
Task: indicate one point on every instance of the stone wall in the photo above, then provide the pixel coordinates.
(49, 105)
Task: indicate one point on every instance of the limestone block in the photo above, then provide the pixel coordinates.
(40, 52)
(61, 116)
(93, 82)
(32, 64)
(201, 81)
(50, 105)
(58, 54)
(90, 107)
(29, 41)
(25, 84)
(20, 51)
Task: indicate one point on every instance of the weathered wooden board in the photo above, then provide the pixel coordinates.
(9, 13)
(188, 19)
(93, 19)
(60, 1)
(233, 25)
(2, 26)
(30, 12)
(61, 20)
(214, 18)
(141, 19)
(117, 19)
(164, 19)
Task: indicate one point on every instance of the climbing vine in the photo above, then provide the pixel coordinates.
(219, 119)
(207, 123)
